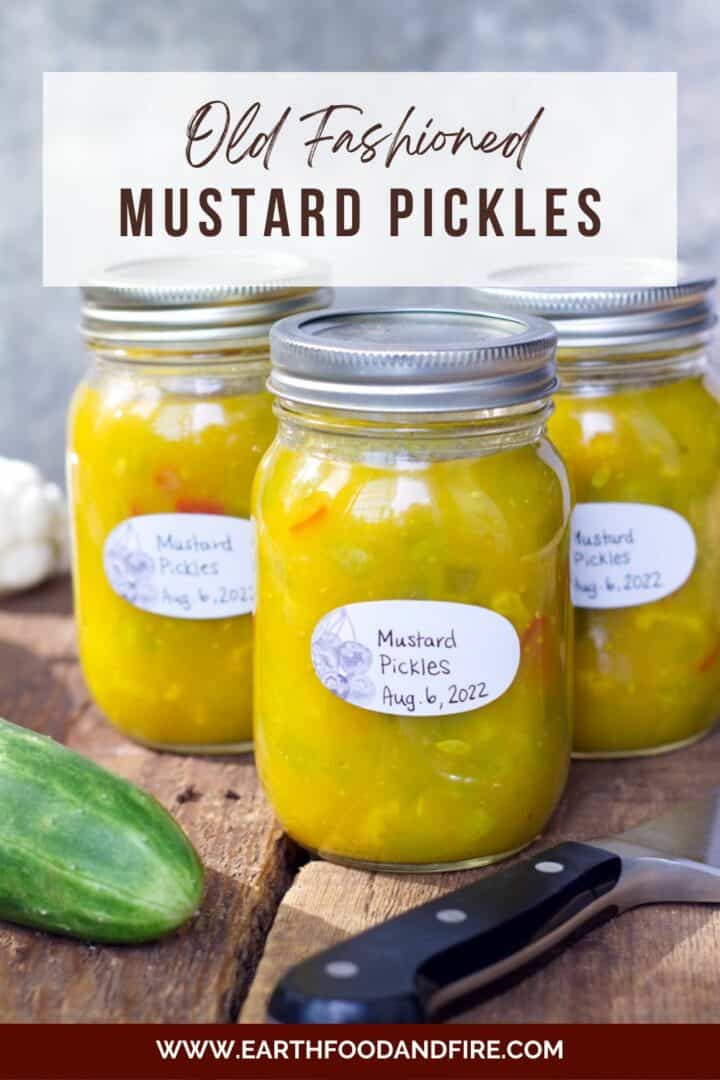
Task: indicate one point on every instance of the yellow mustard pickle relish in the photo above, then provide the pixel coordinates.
(411, 668)
(638, 423)
(165, 433)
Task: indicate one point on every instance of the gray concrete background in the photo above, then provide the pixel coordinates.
(40, 354)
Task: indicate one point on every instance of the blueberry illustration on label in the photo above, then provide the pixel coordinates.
(354, 658)
(340, 660)
(129, 569)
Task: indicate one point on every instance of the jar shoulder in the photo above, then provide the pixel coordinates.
(507, 494)
(660, 443)
(688, 408)
(110, 406)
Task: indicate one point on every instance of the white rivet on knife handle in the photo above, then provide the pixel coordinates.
(341, 969)
(451, 915)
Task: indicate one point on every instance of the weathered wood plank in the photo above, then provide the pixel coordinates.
(198, 974)
(653, 965)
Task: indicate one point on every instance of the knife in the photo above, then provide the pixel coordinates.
(410, 968)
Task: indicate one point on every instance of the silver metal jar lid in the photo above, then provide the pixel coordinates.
(640, 313)
(412, 359)
(203, 302)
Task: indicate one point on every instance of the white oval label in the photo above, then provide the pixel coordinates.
(624, 554)
(187, 566)
(415, 657)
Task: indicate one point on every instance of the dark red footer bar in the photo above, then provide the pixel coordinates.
(217, 1052)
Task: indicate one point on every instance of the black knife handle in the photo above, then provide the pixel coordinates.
(400, 971)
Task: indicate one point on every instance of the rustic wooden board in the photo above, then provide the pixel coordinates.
(655, 964)
(199, 974)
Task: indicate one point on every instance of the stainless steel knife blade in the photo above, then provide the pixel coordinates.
(688, 830)
(672, 857)
(408, 968)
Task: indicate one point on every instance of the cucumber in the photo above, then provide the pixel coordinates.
(83, 852)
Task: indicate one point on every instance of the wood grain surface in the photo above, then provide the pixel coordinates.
(655, 964)
(199, 974)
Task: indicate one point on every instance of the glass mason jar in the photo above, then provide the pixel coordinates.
(412, 526)
(164, 436)
(638, 423)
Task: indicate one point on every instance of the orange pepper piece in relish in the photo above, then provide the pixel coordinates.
(309, 512)
(167, 478)
(199, 506)
(538, 649)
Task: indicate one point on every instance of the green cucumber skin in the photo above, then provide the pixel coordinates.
(83, 852)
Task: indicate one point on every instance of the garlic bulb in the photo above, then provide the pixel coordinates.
(34, 542)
